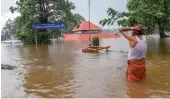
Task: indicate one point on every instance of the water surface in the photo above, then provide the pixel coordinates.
(63, 70)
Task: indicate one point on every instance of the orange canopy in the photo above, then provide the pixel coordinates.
(85, 26)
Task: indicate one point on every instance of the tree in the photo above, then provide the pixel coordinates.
(8, 30)
(40, 11)
(153, 14)
(69, 25)
(75, 22)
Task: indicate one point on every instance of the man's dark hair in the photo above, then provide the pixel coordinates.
(139, 32)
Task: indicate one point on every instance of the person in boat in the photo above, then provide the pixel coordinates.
(136, 69)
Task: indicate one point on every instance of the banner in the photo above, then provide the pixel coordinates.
(51, 26)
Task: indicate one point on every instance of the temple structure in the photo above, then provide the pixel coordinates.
(86, 27)
(83, 32)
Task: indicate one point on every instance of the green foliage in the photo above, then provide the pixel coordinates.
(77, 19)
(95, 41)
(8, 30)
(153, 14)
(115, 16)
(43, 11)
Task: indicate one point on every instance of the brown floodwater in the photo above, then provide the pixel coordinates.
(63, 70)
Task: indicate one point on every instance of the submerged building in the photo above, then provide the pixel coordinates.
(86, 27)
(87, 30)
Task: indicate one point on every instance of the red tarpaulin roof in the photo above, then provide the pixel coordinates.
(85, 26)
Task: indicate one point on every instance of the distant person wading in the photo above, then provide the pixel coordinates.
(137, 52)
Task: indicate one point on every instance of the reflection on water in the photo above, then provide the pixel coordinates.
(62, 70)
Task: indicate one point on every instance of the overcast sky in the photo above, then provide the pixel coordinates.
(98, 9)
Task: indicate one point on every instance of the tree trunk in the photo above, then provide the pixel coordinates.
(162, 30)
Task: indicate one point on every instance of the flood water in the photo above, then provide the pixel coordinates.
(63, 70)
